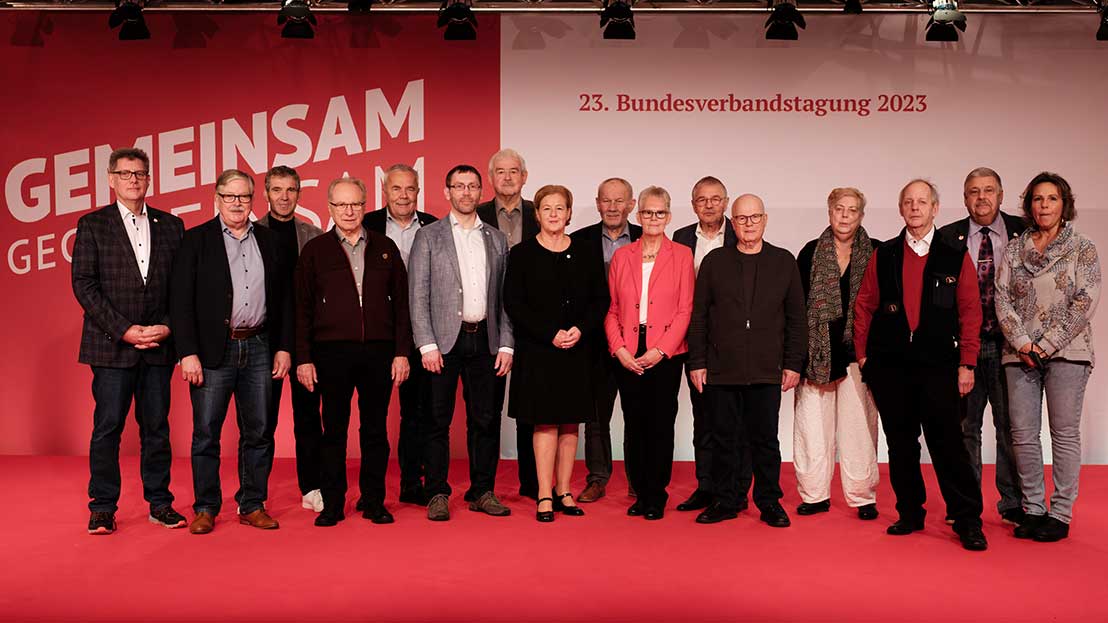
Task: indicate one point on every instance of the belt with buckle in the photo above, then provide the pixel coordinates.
(472, 327)
(246, 332)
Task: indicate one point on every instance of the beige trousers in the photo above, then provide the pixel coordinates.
(840, 413)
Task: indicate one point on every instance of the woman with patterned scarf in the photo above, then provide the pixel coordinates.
(833, 406)
(1046, 295)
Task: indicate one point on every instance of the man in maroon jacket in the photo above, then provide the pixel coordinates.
(352, 332)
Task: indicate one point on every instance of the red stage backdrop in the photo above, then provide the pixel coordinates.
(206, 93)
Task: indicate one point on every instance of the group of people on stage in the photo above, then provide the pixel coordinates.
(924, 329)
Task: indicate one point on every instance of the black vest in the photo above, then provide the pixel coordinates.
(935, 340)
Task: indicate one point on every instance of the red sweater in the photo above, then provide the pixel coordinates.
(968, 296)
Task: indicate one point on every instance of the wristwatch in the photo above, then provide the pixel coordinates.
(664, 355)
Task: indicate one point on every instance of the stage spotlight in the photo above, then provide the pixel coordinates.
(783, 21)
(945, 18)
(458, 18)
(359, 6)
(854, 7)
(1102, 32)
(297, 18)
(128, 17)
(616, 19)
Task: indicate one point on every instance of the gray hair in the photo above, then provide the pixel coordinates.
(920, 180)
(233, 174)
(508, 153)
(984, 172)
(400, 168)
(654, 191)
(704, 181)
(346, 180)
(626, 185)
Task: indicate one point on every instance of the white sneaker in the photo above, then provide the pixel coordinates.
(313, 500)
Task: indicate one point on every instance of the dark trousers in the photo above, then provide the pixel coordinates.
(649, 412)
(598, 434)
(910, 397)
(525, 443)
(736, 411)
(344, 367)
(414, 402)
(470, 361)
(307, 429)
(113, 390)
(991, 387)
(702, 447)
(246, 374)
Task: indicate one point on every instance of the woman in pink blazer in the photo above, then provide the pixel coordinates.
(651, 284)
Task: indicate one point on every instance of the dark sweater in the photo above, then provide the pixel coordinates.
(327, 298)
(741, 339)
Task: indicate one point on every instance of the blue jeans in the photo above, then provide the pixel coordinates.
(113, 389)
(245, 372)
(1064, 382)
(990, 387)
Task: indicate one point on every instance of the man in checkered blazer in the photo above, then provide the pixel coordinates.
(122, 258)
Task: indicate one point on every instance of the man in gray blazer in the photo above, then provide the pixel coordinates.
(282, 192)
(455, 277)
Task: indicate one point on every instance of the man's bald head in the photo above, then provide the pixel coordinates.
(747, 204)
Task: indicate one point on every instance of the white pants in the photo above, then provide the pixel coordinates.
(841, 412)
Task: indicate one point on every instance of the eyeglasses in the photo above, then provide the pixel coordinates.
(126, 175)
(347, 206)
(461, 188)
(753, 219)
(233, 198)
(700, 202)
(654, 214)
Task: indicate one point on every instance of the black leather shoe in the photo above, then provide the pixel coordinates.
(867, 512)
(378, 514)
(654, 513)
(1028, 526)
(904, 526)
(412, 495)
(636, 509)
(1051, 530)
(973, 539)
(715, 514)
(572, 511)
(545, 516)
(698, 500)
(328, 519)
(742, 505)
(359, 505)
(775, 516)
(1013, 516)
(813, 508)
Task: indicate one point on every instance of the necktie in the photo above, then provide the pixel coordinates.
(986, 273)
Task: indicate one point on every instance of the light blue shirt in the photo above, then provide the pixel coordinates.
(244, 258)
(997, 233)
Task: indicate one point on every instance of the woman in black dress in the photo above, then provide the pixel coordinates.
(556, 294)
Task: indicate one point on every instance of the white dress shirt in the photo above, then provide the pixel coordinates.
(704, 245)
(644, 299)
(138, 232)
(921, 246)
(469, 244)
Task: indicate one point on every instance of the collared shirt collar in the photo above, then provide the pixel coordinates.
(921, 246)
(124, 211)
(700, 233)
(626, 233)
(342, 237)
(414, 222)
(454, 222)
(227, 230)
(500, 207)
(997, 226)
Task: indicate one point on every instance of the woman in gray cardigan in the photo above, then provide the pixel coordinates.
(1046, 294)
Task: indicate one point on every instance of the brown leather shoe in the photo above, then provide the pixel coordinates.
(592, 493)
(203, 523)
(259, 519)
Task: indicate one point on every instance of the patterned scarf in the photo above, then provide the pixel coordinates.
(825, 302)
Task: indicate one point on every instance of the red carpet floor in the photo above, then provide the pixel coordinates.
(604, 566)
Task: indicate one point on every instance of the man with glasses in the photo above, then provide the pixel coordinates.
(122, 258)
(400, 221)
(460, 327)
(614, 201)
(352, 332)
(509, 212)
(747, 341)
(231, 313)
(282, 191)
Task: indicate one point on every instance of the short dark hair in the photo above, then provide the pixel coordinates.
(1069, 203)
(463, 168)
(128, 153)
(282, 171)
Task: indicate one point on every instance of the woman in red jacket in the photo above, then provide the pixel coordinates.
(651, 285)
